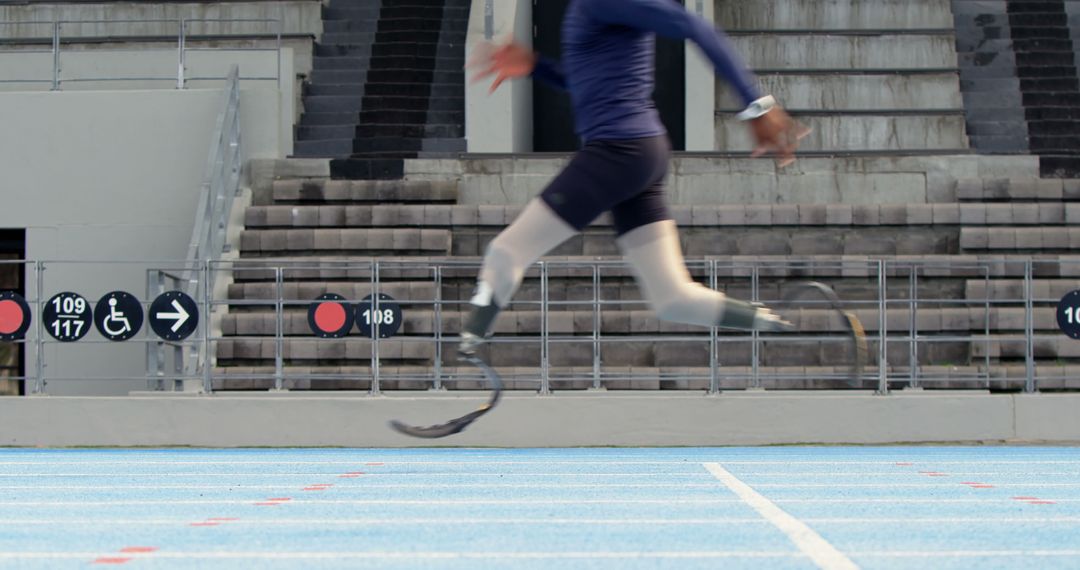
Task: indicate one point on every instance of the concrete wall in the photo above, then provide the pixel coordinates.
(112, 175)
(526, 420)
(700, 89)
(502, 121)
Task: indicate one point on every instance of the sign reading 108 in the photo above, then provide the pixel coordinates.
(1068, 314)
(386, 316)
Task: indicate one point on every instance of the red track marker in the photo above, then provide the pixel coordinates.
(112, 560)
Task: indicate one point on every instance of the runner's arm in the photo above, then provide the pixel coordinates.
(550, 72)
(671, 20)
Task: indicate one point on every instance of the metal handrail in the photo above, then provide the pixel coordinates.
(221, 184)
(286, 306)
(183, 35)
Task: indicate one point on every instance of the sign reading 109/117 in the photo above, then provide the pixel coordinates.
(67, 316)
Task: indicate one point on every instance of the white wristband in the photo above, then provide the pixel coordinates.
(757, 108)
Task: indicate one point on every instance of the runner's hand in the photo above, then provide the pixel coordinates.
(777, 132)
(506, 61)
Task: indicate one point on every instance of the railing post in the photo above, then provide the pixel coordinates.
(714, 372)
(913, 329)
(883, 307)
(545, 379)
(437, 385)
(208, 311)
(489, 19)
(280, 32)
(181, 82)
(597, 323)
(39, 340)
(376, 384)
(279, 329)
(755, 356)
(1029, 329)
(56, 56)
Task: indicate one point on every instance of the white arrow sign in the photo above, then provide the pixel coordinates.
(180, 316)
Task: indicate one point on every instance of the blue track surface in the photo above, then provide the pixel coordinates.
(892, 507)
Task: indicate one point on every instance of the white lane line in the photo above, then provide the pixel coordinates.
(543, 521)
(689, 501)
(287, 555)
(386, 463)
(369, 486)
(703, 500)
(888, 485)
(396, 521)
(819, 550)
(367, 474)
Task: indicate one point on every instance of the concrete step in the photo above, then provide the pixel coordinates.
(897, 52)
(333, 104)
(685, 351)
(852, 178)
(325, 132)
(411, 130)
(1013, 289)
(1018, 189)
(322, 190)
(419, 320)
(330, 119)
(870, 132)
(305, 290)
(322, 148)
(245, 378)
(771, 267)
(839, 92)
(351, 62)
(326, 351)
(771, 216)
(834, 15)
(399, 241)
(1017, 239)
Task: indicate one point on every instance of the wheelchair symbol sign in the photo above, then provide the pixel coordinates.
(118, 316)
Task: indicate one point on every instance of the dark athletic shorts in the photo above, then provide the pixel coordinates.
(626, 177)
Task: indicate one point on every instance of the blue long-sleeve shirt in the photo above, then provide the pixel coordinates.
(609, 51)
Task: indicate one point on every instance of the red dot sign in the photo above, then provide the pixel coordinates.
(330, 316)
(14, 316)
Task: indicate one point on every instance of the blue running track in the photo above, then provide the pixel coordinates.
(687, 508)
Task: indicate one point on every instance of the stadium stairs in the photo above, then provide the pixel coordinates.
(887, 174)
(387, 85)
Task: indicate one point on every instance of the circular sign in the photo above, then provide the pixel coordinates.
(14, 316)
(1068, 314)
(386, 316)
(174, 315)
(118, 316)
(67, 316)
(330, 316)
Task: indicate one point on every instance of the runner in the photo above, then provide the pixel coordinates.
(607, 68)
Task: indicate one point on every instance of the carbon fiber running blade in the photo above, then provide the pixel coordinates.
(457, 425)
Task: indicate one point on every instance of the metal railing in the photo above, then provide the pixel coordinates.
(892, 297)
(209, 239)
(183, 34)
